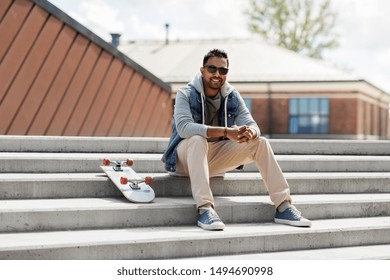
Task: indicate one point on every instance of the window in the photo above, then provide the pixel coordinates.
(248, 103)
(308, 115)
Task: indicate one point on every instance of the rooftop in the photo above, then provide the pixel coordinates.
(251, 60)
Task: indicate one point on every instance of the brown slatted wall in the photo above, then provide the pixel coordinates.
(55, 80)
(18, 66)
(12, 18)
(162, 102)
(59, 84)
(97, 106)
(107, 122)
(146, 112)
(126, 106)
(99, 62)
(4, 5)
(32, 104)
(136, 114)
(81, 70)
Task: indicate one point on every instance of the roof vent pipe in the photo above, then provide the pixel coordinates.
(166, 33)
(115, 39)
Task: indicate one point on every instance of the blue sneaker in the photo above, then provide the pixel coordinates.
(291, 216)
(209, 220)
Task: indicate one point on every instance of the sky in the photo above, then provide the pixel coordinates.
(363, 27)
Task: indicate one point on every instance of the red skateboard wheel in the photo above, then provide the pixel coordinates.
(148, 180)
(124, 180)
(106, 162)
(129, 162)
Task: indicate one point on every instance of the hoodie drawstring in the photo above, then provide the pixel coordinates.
(203, 104)
(226, 99)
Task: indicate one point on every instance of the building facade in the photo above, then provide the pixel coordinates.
(59, 78)
(289, 95)
(344, 110)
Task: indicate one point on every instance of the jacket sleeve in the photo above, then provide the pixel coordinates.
(185, 125)
(244, 117)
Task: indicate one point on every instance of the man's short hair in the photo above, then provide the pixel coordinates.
(215, 53)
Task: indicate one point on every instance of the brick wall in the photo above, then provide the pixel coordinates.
(347, 116)
(343, 115)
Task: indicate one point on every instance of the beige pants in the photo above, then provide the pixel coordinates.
(201, 160)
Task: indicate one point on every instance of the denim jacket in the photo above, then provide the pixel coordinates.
(227, 116)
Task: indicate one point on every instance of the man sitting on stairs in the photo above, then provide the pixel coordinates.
(213, 132)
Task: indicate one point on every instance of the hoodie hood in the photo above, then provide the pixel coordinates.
(226, 89)
(197, 83)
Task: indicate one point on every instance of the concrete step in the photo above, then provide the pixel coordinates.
(97, 213)
(373, 252)
(158, 145)
(329, 163)
(151, 163)
(94, 185)
(190, 241)
(56, 185)
(251, 183)
(55, 202)
(67, 144)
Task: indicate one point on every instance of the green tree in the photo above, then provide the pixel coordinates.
(303, 26)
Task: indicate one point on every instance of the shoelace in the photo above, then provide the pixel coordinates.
(213, 216)
(295, 212)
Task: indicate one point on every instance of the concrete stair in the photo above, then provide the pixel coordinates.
(55, 203)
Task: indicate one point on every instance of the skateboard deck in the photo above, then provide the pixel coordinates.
(134, 187)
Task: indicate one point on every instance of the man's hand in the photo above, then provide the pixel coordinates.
(246, 134)
(241, 134)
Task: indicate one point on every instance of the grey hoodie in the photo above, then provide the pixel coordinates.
(185, 125)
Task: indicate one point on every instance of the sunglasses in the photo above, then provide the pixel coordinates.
(212, 69)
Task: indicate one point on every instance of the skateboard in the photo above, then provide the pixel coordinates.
(134, 187)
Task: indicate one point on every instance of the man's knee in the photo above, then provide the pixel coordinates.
(198, 143)
(263, 140)
(261, 144)
(197, 140)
